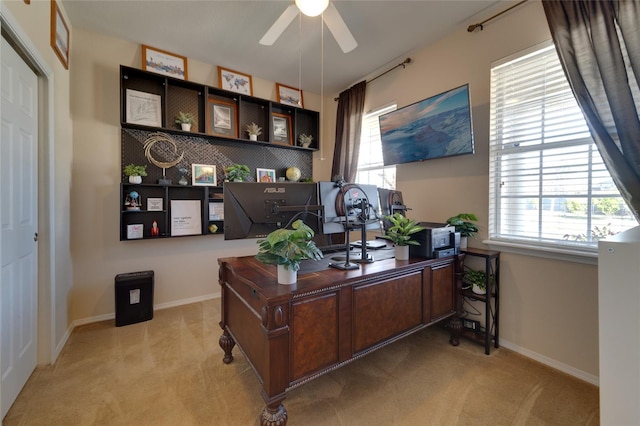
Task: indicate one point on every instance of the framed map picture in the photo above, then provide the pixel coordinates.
(235, 81)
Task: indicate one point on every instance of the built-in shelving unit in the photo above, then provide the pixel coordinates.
(149, 104)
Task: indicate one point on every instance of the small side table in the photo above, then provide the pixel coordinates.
(492, 311)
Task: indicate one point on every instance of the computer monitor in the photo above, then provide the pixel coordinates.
(390, 202)
(253, 210)
(343, 205)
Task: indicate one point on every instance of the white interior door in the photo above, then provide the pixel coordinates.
(18, 222)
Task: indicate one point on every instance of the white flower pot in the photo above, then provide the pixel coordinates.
(477, 290)
(286, 276)
(253, 137)
(135, 179)
(402, 252)
(463, 243)
(186, 126)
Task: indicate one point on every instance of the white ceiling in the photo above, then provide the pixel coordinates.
(226, 33)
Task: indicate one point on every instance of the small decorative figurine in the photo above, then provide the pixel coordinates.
(132, 202)
(183, 176)
(155, 231)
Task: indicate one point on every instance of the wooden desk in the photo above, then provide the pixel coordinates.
(291, 334)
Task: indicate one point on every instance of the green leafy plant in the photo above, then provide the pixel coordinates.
(237, 172)
(185, 118)
(134, 170)
(464, 224)
(253, 129)
(401, 230)
(289, 247)
(478, 278)
(305, 140)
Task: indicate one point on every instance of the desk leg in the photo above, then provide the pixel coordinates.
(274, 414)
(227, 343)
(456, 322)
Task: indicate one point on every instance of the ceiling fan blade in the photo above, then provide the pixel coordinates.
(339, 29)
(280, 25)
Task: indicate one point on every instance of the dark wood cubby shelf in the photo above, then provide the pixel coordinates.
(201, 145)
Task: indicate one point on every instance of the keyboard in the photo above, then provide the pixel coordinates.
(333, 248)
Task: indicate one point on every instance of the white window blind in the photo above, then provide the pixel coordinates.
(548, 184)
(370, 165)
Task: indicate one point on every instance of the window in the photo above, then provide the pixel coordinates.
(548, 184)
(370, 168)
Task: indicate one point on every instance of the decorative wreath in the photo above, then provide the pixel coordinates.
(161, 137)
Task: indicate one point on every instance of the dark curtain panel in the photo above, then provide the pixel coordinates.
(348, 123)
(589, 37)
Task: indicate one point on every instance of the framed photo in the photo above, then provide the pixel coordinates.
(186, 217)
(265, 175)
(289, 95)
(282, 129)
(135, 231)
(59, 35)
(223, 119)
(216, 210)
(154, 204)
(163, 62)
(235, 81)
(203, 175)
(144, 108)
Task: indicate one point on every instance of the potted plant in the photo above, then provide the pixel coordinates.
(400, 233)
(237, 173)
(463, 223)
(135, 172)
(305, 140)
(254, 131)
(185, 120)
(287, 248)
(478, 280)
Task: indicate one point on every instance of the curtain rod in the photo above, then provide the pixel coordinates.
(472, 28)
(403, 65)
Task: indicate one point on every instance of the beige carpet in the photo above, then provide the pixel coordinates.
(169, 371)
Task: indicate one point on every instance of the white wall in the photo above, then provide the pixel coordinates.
(548, 307)
(55, 153)
(619, 304)
(186, 269)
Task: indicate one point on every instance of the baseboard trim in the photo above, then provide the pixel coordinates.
(110, 316)
(582, 375)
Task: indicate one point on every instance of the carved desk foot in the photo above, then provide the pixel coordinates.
(227, 343)
(274, 415)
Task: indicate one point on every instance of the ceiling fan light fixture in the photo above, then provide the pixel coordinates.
(312, 7)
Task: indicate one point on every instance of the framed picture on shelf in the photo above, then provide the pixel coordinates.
(289, 95)
(265, 175)
(163, 62)
(235, 81)
(144, 108)
(282, 129)
(223, 119)
(203, 175)
(59, 35)
(154, 204)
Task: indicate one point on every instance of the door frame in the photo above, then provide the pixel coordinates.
(46, 269)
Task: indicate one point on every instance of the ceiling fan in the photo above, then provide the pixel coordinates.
(331, 17)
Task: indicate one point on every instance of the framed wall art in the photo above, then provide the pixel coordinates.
(289, 95)
(282, 129)
(59, 35)
(203, 175)
(223, 119)
(235, 81)
(265, 175)
(163, 62)
(144, 108)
